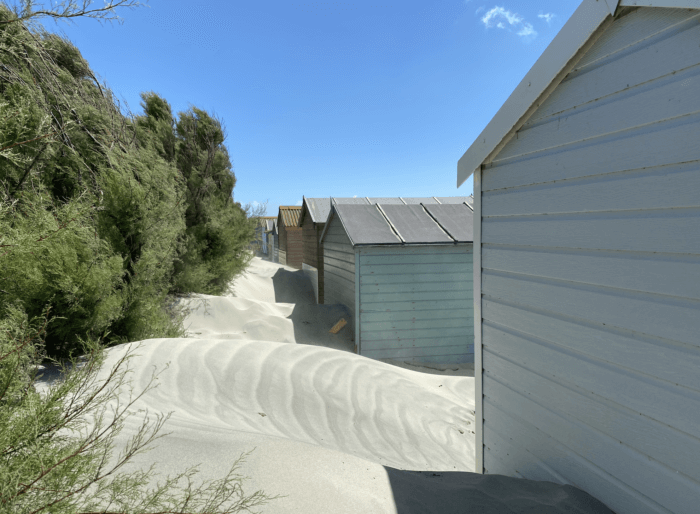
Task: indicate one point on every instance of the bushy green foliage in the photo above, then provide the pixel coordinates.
(93, 222)
(139, 208)
(56, 447)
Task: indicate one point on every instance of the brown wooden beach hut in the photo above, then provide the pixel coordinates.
(291, 250)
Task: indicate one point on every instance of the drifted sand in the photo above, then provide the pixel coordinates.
(334, 431)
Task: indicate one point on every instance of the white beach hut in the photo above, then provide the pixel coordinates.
(587, 261)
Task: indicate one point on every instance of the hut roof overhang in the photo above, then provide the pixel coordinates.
(317, 208)
(550, 69)
(404, 224)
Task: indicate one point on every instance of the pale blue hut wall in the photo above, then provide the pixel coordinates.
(339, 267)
(416, 303)
(590, 284)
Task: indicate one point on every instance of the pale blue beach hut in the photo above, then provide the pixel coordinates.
(404, 271)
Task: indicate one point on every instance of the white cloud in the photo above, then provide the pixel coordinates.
(300, 202)
(255, 204)
(548, 17)
(355, 196)
(502, 18)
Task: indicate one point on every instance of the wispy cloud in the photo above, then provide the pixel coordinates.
(548, 17)
(502, 18)
(300, 202)
(254, 203)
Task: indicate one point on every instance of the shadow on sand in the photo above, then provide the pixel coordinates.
(461, 492)
(312, 322)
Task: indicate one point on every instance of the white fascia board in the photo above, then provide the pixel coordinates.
(612, 6)
(328, 222)
(678, 4)
(582, 24)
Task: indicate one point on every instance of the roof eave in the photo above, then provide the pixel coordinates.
(542, 77)
(575, 33)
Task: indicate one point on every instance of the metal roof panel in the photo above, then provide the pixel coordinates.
(416, 201)
(351, 201)
(386, 201)
(414, 225)
(319, 208)
(456, 219)
(365, 224)
(452, 199)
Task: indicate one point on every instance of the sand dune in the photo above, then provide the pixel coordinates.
(334, 431)
(319, 396)
(221, 317)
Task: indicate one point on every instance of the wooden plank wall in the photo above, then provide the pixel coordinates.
(282, 242)
(295, 247)
(313, 249)
(416, 303)
(591, 275)
(339, 268)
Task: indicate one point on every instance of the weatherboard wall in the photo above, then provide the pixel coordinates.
(295, 247)
(416, 303)
(339, 267)
(590, 282)
(313, 253)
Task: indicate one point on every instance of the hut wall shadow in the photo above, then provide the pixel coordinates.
(452, 492)
(312, 322)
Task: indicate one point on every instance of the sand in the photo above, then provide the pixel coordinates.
(334, 431)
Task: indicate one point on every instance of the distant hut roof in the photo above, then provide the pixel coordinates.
(404, 224)
(318, 209)
(290, 215)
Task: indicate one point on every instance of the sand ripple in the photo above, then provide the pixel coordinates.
(341, 401)
(225, 317)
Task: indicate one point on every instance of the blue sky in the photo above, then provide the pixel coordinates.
(329, 98)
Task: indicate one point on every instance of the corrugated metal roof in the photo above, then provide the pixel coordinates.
(319, 208)
(290, 215)
(455, 219)
(414, 225)
(396, 224)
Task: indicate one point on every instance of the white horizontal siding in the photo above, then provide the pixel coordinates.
(652, 56)
(665, 143)
(416, 303)
(590, 284)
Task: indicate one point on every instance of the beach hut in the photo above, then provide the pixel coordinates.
(314, 213)
(273, 240)
(261, 230)
(404, 271)
(291, 249)
(587, 261)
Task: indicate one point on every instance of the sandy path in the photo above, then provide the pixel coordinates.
(334, 431)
